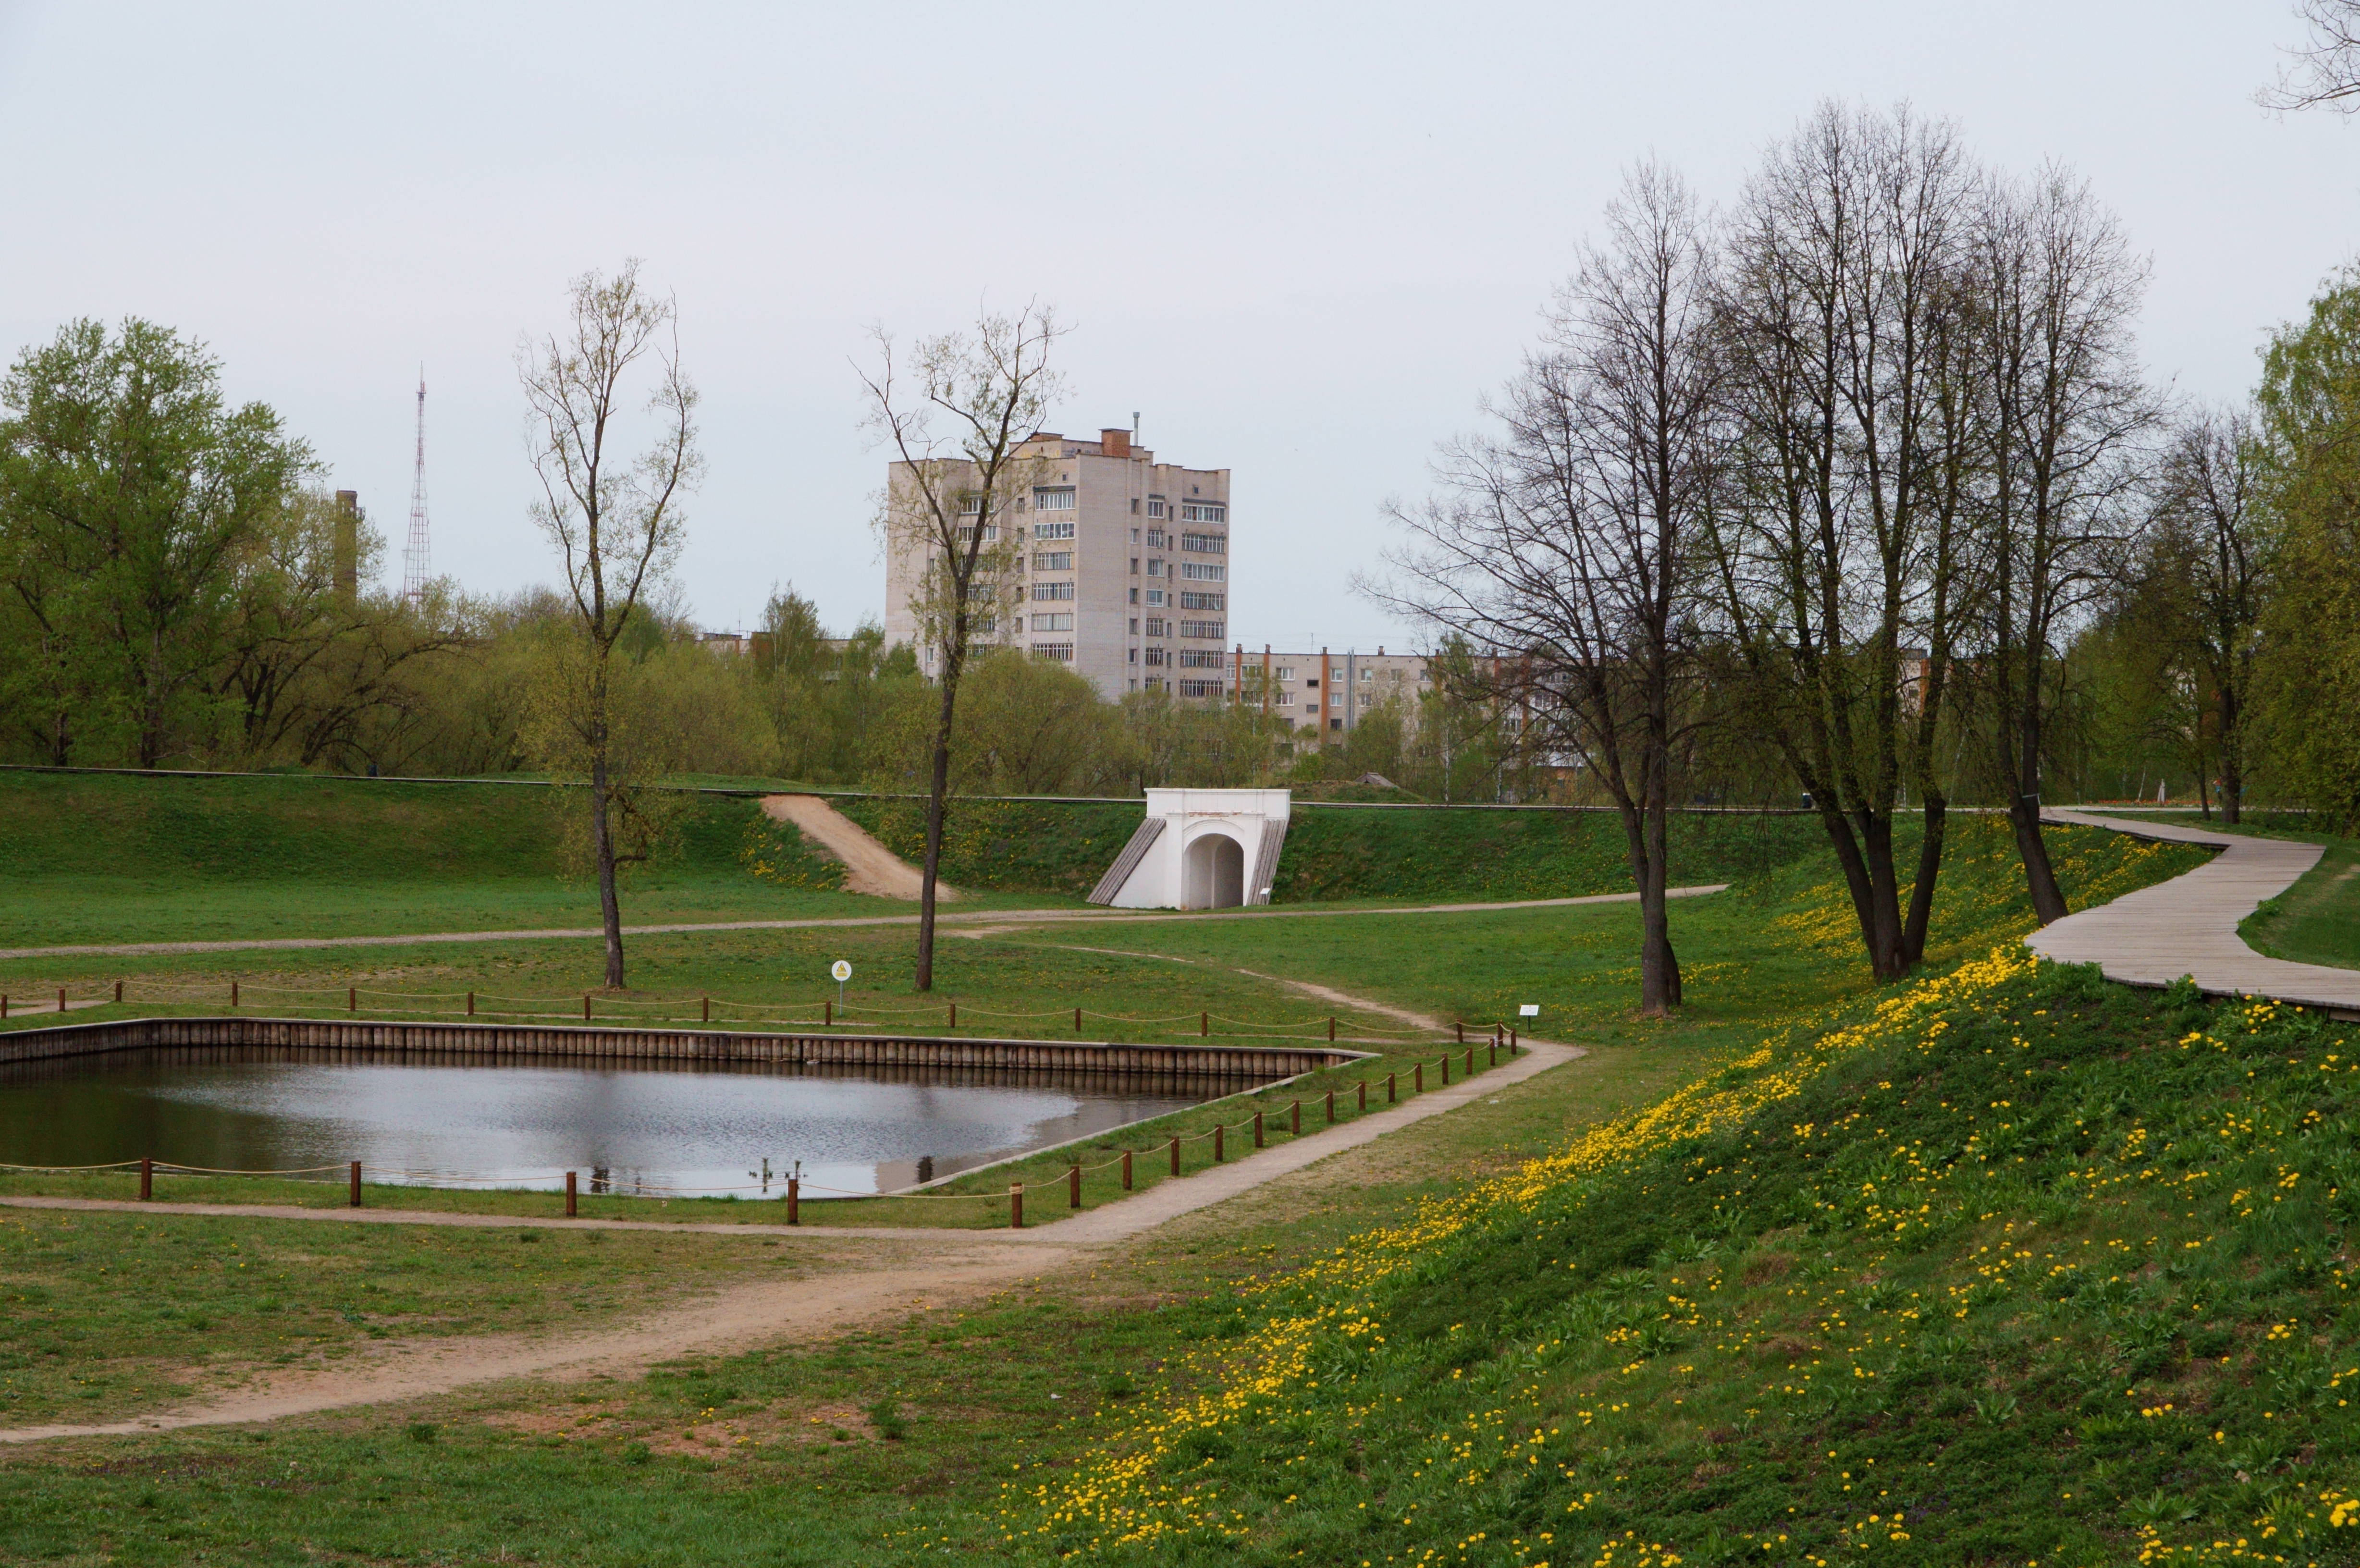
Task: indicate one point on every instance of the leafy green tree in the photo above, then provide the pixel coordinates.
(131, 493)
(2309, 479)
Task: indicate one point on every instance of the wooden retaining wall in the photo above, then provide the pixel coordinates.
(1251, 1063)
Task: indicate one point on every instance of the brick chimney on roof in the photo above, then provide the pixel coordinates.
(1115, 443)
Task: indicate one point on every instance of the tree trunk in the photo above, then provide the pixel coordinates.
(602, 845)
(2023, 813)
(937, 791)
(2232, 763)
(1659, 968)
(1929, 870)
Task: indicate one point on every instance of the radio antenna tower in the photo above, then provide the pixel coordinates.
(414, 560)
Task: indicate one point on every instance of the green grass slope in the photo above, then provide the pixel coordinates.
(1336, 853)
(96, 858)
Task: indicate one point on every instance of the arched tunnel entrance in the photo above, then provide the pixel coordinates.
(1214, 874)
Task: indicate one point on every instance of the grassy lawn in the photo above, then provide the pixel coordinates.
(1355, 1365)
(106, 1313)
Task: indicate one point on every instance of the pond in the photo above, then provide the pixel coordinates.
(663, 1129)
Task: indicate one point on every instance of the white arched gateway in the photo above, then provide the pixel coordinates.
(1199, 849)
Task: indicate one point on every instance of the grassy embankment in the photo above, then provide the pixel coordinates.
(1302, 1376)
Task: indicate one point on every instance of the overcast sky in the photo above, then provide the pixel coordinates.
(1299, 242)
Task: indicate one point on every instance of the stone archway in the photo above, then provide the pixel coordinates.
(1213, 872)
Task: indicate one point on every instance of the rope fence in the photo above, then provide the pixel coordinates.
(1261, 1126)
(588, 1006)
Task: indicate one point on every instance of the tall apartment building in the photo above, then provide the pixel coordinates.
(1123, 571)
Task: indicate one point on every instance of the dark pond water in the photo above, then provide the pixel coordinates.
(441, 1119)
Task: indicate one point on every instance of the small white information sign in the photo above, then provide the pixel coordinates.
(839, 971)
(1529, 1010)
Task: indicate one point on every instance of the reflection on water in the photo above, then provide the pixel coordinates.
(429, 1116)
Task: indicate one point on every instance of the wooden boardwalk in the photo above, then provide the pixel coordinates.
(2188, 926)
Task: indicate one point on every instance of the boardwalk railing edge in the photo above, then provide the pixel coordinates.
(1263, 1063)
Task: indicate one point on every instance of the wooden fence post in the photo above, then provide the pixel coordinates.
(1417, 1079)
(1074, 1185)
(1294, 1117)
(954, 1014)
(707, 1000)
(586, 1006)
(795, 1200)
(471, 1003)
(1512, 1046)
(569, 1195)
(357, 1185)
(3, 1004)
(147, 1179)
(61, 998)
(1494, 1058)
(1204, 1025)
(232, 993)
(118, 990)
(1389, 1089)
(1461, 1027)
(1016, 1205)
(1126, 1170)
(1331, 1028)
(1217, 1143)
(1077, 1020)
(352, 999)
(827, 1011)
(1470, 1063)
(1176, 1154)
(1364, 1095)
(1258, 1143)
(1446, 1067)
(1332, 1105)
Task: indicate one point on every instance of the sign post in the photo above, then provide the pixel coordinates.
(840, 972)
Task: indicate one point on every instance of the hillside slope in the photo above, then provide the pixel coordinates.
(2007, 1266)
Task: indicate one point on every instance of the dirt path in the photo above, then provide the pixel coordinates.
(997, 919)
(925, 1269)
(868, 866)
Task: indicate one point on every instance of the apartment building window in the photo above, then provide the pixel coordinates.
(1046, 500)
(1042, 592)
(1062, 652)
(1063, 621)
(1205, 544)
(1202, 659)
(1155, 509)
(991, 533)
(1204, 601)
(1134, 506)
(1286, 672)
(1157, 538)
(1215, 631)
(1154, 627)
(1285, 698)
(1203, 511)
(1159, 656)
(1313, 683)
(1200, 687)
(1134, 625)
(1134, 566)
(982, 626)
(1134, 654)
(1203, 571)
(1134, 599)
(1052, 560)
(1054, 531)
(1155, 596)
(970, 505)
(1156, 568)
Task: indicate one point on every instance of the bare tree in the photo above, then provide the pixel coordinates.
(613, 516)
(2326, 73)
(2060, 290)
(1839, 554)
(2203, 568)
(960, 428)
(1564, 546)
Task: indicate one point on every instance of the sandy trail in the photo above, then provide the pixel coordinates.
(868, 866)
(927, 1268)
